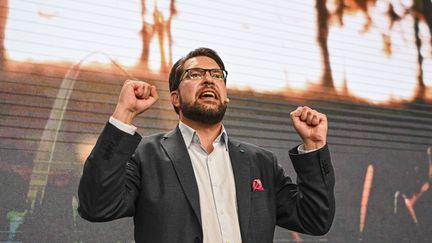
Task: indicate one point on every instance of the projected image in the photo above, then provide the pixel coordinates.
(366, 63)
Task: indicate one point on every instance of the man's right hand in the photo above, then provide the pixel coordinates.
(135, 98)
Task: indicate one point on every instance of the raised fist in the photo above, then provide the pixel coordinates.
(135, 98)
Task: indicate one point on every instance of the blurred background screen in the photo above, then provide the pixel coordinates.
(367, 64)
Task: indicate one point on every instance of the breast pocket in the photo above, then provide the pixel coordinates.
(262, 200)
(259, 194)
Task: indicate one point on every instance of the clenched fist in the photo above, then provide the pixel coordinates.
(311, 126)
(135, 98)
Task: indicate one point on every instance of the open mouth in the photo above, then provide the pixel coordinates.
(208, 94)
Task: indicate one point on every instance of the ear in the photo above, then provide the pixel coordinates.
(175, 98)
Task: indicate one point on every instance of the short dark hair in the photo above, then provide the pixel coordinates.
(177, 69)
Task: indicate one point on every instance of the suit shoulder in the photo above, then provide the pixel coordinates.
(152, 139)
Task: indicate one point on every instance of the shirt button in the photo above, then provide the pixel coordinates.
(221, 212)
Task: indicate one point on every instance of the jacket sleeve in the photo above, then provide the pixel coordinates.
(110, 181)
(308, 206)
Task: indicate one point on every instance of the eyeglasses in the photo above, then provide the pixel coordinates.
(199, 73)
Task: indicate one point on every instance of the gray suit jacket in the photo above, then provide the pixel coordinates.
(152, 179)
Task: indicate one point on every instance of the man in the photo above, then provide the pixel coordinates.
(195, 184)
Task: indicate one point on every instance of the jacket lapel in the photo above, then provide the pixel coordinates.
(175, 147)
(241, 168)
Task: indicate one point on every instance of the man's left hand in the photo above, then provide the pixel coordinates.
(311, 126)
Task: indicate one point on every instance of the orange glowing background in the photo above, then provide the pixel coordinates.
(266, 47)
(63, 64)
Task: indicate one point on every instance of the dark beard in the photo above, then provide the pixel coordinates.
(199, 113)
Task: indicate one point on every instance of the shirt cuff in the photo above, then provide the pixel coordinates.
(127, 128)
(302, 150)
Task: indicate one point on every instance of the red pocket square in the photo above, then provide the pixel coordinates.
(257, 185)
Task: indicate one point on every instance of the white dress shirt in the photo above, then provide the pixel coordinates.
(216, 186)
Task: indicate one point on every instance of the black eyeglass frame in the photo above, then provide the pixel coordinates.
(186, 72)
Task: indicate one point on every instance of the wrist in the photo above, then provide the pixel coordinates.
(123, 115)
(310, 145)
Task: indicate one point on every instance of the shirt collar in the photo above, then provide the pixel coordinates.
(190, 135)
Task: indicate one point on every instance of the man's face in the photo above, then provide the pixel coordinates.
(202, 100)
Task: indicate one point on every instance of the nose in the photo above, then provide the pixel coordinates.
(208, 79)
